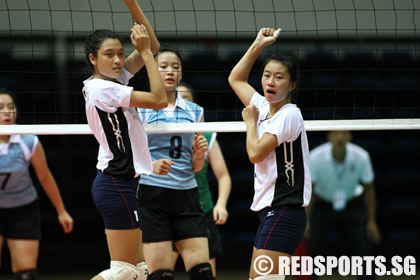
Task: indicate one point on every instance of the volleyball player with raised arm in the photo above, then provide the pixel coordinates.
(277, 145)
(169, 203)
(20, 221)
(123, 149)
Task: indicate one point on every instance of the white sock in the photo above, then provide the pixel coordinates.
(142, 270)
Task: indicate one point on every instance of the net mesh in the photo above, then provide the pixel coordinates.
(358, 59)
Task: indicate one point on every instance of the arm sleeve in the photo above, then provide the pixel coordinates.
(125, 77)
(312, 165)
(211, 142)
(258, 100)
(111, 96)
(200, 112)
(36, 140)
(367, 175)
(287, 126)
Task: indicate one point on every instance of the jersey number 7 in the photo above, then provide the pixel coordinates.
(5, 177)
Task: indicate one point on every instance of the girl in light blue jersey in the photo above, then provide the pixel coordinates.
(20, 222)
(169, 202)
(216, 214)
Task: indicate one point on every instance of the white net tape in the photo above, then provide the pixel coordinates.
(221, 127)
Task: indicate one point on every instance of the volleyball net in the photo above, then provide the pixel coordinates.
(358, 60)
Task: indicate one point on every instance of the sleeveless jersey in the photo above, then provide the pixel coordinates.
(202, 179)
(174, 146)
(16, 187)
(283, 177)
(123, 149)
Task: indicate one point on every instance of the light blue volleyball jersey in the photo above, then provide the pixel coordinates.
(16, 187)
(174, 146)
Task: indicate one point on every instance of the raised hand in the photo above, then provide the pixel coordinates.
(140, 38)
(266, 36)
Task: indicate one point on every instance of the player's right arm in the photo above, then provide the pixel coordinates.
(162, 166)
(238, 78)
(134, 61)
(156, 98)
(140, 18)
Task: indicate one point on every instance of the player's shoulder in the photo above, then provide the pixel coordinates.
(258, 100)
(320, 150)
(28, 139)
(26, 143)
(291, 112)
(357, 150)
(193, 105)
(194, 110)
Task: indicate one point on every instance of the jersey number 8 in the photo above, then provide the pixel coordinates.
(176, 144)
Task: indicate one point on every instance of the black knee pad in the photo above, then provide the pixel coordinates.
(26, 275)
(201, 271)
(161, 274)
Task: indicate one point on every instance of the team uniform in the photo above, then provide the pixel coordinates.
(282, 180)
(340, 204)
(206, 200)
(215, 243)
(19, 208)
(123, 150)
(172, 197)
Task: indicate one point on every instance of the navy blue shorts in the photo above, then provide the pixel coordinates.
(116, 200)
(281, 229)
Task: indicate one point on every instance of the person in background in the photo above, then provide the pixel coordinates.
(277, 145)
(215, 214)
(343, 198)
(169, 200)
(20, 219)
(123, 150)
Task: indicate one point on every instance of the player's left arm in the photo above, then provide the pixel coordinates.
(221, 172)
(200, 147)
(48, 183)
(372, 229)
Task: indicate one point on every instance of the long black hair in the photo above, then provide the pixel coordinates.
(166, 49)
(14, 99)
(94, 42)
(288, 61)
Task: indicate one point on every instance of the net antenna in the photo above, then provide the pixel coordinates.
(358, 59)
